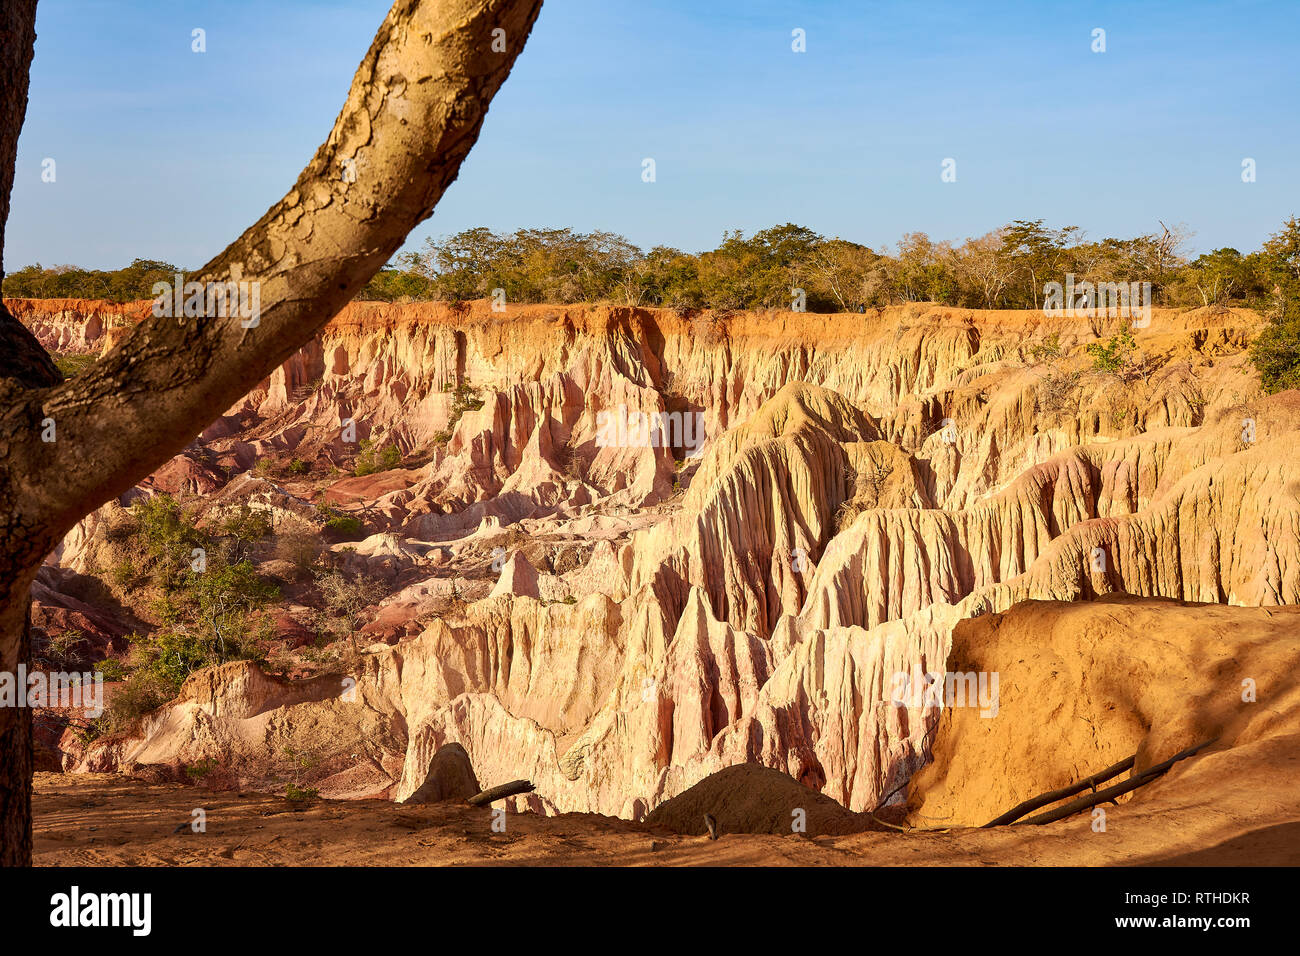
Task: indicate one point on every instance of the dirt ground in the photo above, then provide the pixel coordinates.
(103, 820)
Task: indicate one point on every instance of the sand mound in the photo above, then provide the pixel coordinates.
(450, 777)
(751, 798)
(1083, 686)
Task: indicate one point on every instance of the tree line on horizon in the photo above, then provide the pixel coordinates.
(1005, 268)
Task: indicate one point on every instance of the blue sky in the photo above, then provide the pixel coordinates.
(164, 153)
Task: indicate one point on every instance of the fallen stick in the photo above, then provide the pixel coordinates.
(1043, 799)
(1110, 793)
(505, 790)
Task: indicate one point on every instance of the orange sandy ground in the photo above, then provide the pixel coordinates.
(101, 820)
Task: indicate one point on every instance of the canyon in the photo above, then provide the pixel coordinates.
(916, 490)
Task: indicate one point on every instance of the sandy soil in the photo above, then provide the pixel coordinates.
(102, 820)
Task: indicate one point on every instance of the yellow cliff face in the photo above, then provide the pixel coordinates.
(739, 531)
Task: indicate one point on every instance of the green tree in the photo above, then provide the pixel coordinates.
(1216, 276)
(1276, 351)
(1037, 255)
(1283, 247)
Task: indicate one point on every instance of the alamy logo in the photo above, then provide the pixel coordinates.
(949, 689)
(624, 429)
(209, 300)
(74, 908)
(52, 689)
(1093, 299)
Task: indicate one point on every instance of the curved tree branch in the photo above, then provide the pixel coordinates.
(415, 108)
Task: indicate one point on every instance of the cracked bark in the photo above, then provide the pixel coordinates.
(23, 365)
(414, 109)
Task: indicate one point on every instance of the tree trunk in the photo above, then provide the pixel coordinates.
(415, 108)
(16, 755)
(23, 364)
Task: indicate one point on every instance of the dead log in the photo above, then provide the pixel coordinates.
(510, 789)
(1052, 796)
(1110, 793)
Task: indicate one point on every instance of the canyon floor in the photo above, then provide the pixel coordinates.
(916, 566)
(103, 820)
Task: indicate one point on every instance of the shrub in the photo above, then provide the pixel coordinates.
(224, 600)
(124, 575)
(343, 600)
(568, 461)
(212, 617)
(466, 400)
(1048, 350)
(246, 525)
(169, 539)
(59, 650)
(300, 762)
(297, 794)
(201, 769)
(162, 523)
(365, 464)
(1058, 393)
(371, 460)
(1276, 351)
(142, 692)
(298, 544)
(175, 656)
(113, 669)
(1276, 355)
(1113, 355)
(342, 526)
(345, 527)
(467, 397)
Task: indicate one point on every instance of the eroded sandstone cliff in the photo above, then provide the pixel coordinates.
(831, 496)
